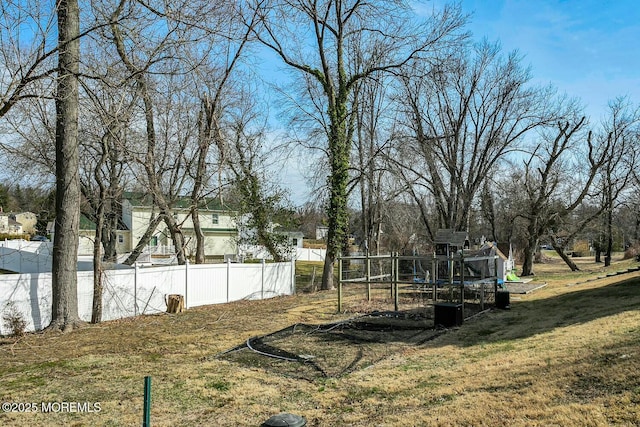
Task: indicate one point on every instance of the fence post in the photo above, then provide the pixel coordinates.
(135, 288)
(391, 273)
(293, 277)
(186, 282)
(462, 281)
(396, 278)
(368, 275)
(262, 279)
(228, 272)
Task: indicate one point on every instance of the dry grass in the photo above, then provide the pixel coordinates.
(564, 355)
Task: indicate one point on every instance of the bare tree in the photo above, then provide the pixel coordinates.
(384, 38)
(371, 100)
(182, 58)
(260, 202)
(558, 176)
(621, 131)
(218, 85)
(464, 113)
(26, 61)
(164, 160)
(107, 116)
(500, 205)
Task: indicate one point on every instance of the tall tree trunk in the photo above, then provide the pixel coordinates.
(176, 236)
(109, 242)
(560, 251)
(96, 308)
(197, 228)
(529, 253)
(530, 249)
(339, 149)
(609, 249)
(65, 247)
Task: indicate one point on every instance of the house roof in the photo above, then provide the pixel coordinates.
(88, 224)
(139, 199)
(23, 213)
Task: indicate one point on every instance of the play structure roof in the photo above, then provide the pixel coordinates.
(448, 235)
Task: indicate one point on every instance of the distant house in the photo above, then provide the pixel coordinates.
(217, 223)
(216, 220)
(291, 241)
(27, 219)
(8, 225)
(87, 234)
(295, 238)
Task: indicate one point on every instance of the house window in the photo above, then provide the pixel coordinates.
(153, 241)
(295, 242)
(214, 218)
(120, 238)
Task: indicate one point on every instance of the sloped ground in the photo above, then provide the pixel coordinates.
(567, 354)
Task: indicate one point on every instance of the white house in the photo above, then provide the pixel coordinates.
(87, 235)
(9, 225)
(28, 220)
(216, 220)
(292, 240)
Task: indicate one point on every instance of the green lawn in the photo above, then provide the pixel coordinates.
(567, 355)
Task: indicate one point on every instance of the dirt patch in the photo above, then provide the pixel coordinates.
(315, 352)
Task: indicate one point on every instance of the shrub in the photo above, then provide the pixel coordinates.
(14, 320)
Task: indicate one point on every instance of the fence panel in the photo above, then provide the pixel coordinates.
(245, 281)
(207, 284)
(308, 254)
(135, 291)
(25, 257)
(29, 294)
(278, 279)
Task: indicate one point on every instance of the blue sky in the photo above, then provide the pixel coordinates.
(589, 49)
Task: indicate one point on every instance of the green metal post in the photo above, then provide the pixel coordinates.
(146, 418)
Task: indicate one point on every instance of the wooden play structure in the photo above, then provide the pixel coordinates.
(451, 277)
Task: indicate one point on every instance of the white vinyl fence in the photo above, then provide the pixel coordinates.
(25, 257)
(307, 254)
(143, 290)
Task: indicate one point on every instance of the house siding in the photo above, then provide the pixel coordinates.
(220, 233)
